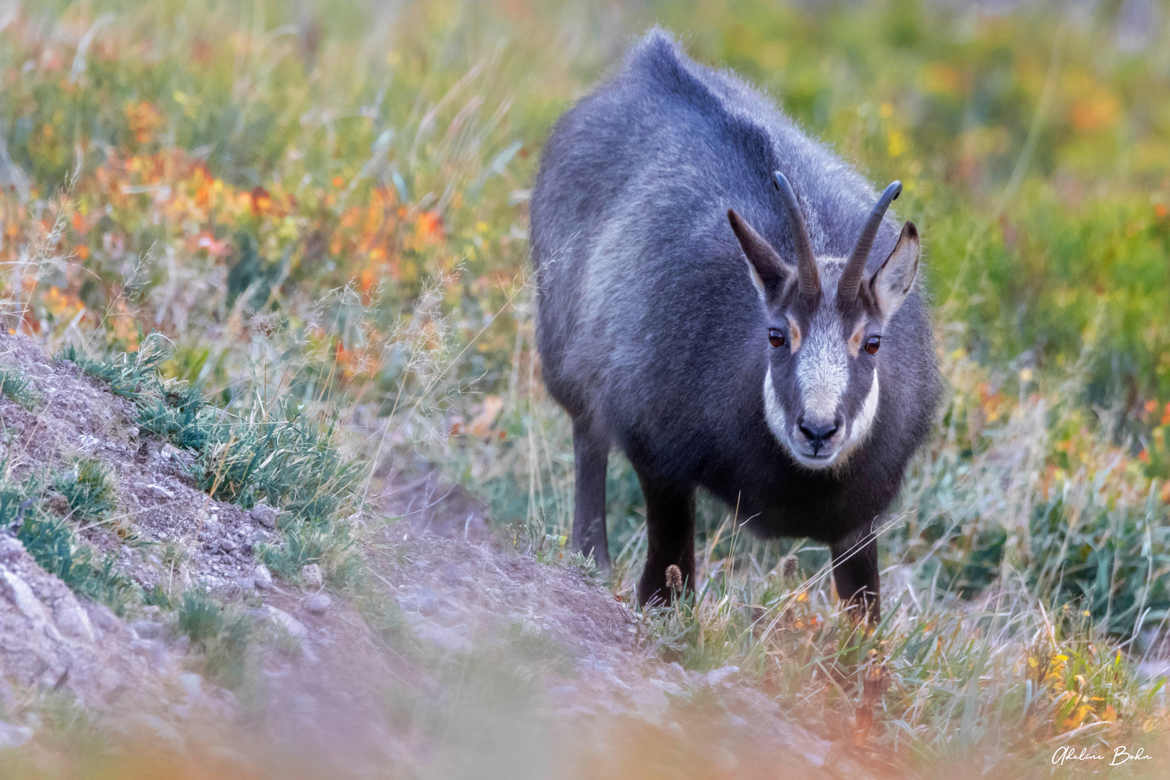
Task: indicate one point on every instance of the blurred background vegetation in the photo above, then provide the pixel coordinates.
(326, 203)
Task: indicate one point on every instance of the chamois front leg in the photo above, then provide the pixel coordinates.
(670, 541)
(855, 572)
(589, 458)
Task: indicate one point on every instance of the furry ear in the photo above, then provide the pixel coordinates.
(768, 270)
(892, 282)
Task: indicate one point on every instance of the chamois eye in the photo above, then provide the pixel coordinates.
(872, 343)
(776, 337)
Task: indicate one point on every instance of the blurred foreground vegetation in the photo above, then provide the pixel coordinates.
(324, 206)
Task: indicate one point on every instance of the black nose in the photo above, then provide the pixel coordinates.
(818, 433)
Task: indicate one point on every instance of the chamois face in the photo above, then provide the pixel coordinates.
(823, 345)
(821, 387)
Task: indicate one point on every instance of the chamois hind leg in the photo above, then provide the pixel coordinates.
(670, 540)
(855, 572)
(590, 454)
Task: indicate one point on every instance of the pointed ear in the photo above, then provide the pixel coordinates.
(768, 270)
(892, 282)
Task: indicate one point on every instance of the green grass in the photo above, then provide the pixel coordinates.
(221, 635)
(281, 455)
(18, 389)
(1017, 678)
(283, 459)
(125, 373)
(171, 409)
(246, 454)
(332, 546)
(88, 488)
(53, 544)
(178, 414)
(329, 229)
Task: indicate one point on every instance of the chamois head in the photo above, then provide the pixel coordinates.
(822, 330)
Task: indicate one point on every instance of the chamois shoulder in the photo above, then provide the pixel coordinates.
(834, 197)
(659, 62)
(730, 109)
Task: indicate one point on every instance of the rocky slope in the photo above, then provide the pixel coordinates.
(456, 656)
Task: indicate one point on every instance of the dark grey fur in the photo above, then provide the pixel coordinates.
(654, 338)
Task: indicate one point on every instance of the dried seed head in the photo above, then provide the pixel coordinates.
(674, 578)
(789, 566)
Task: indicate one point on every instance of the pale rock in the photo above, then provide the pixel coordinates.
(262, 577)
(318, 603)
(311, 574)
(147, 629)
(73, 621)
(717, 677)
(263, 515)
(161, 492)
(444, 638)
(19, 593)
(294, 627)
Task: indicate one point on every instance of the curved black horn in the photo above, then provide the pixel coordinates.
(806, 263)
(851, 276)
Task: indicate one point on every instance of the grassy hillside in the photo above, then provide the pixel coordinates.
(322, 208)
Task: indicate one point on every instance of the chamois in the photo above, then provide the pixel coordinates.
(719, 296)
